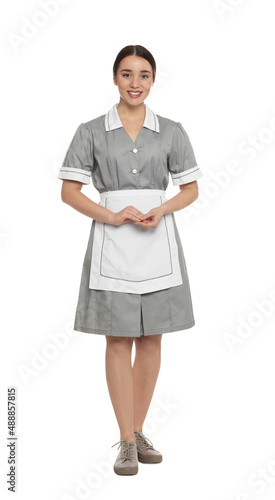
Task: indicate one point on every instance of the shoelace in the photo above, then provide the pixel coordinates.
(127, 450)
(143, 441)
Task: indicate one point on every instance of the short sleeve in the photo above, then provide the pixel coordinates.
(78, 162)
(182, 163)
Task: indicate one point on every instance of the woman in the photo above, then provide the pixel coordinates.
(134, 283)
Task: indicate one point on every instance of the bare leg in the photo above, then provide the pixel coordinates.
(119, 375)
(145, 373)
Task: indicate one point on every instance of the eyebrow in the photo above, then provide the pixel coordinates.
(142, 71)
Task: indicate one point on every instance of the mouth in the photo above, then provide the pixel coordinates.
(134, 94)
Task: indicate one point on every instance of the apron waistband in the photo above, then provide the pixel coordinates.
(131, 192)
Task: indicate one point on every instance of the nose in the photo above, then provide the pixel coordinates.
(135, 82)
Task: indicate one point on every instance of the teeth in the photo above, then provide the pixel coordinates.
(135, 93)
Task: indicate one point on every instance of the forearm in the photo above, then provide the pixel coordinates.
(80, 202)
(180, 201)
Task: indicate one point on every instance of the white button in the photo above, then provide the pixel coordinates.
(135, 150)
(134, 170)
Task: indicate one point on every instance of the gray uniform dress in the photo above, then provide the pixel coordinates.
(102, 151)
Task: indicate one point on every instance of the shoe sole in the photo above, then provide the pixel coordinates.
(148, 460)
(126, 471)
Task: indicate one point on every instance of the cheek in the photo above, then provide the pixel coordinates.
(122, 83)
(147, 85)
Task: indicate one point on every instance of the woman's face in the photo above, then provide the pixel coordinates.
(134, 74)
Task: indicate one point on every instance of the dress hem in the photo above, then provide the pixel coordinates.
(117, 333)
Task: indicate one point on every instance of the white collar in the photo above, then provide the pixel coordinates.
(112, 120)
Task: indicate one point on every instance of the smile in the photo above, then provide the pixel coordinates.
(134, 94)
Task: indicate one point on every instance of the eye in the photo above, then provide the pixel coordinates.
(146, 76)
(125, 74)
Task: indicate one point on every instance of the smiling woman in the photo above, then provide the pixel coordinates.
(134, 81)
(134, 283)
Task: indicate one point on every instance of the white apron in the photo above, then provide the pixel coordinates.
(132, 258)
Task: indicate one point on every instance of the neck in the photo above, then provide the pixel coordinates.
(131, 112)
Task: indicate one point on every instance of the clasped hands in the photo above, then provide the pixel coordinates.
(132, 214)
(152, 218)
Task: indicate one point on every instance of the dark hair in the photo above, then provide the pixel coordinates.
(135, 50)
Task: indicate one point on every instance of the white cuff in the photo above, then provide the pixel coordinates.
(190, 175)
(75, 174)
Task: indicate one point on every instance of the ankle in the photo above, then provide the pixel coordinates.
(128, 437)
(138, 429)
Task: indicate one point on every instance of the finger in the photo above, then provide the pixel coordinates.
(138, 213)
(144, 223)
(134, 216)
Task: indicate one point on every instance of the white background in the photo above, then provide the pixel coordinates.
(212, 414)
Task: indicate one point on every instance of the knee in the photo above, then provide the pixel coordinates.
(119, 343)
(149, 343)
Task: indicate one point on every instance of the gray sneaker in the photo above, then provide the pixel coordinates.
(146, 452)
(127, 460)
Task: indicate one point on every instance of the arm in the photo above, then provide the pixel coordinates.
(188, 193)
(72, 195)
